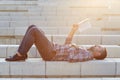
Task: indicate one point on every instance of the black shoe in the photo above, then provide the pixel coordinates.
(17, 58)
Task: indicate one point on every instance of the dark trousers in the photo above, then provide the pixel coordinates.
(36, 36)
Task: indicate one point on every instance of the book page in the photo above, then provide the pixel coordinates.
(84, 25)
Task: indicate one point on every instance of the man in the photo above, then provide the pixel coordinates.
(54, 52)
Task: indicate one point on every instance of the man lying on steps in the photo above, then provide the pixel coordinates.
(54, 52)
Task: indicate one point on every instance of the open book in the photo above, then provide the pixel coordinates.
(84, 25)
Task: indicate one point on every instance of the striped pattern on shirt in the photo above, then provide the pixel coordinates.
(71, 53)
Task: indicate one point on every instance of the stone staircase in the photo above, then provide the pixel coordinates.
(60, 79)
(56, 17)
(36, 67)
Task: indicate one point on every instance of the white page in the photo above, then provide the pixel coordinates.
(84, 25)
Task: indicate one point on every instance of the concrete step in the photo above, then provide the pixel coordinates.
(44, 25)
(94, 37)
(10, 50)
(14, 2)
(35, 67)
(108, 15)
(89, 39)
(59, 78)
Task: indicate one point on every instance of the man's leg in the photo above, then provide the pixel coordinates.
(34, 35)
(24, 40)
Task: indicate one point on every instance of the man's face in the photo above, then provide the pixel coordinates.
(96, 50)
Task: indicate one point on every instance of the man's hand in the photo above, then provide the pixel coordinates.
(75, 27)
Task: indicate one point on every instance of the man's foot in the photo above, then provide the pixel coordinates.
(16, 57)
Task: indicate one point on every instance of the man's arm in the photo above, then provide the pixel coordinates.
(73, 30)
(71, 34)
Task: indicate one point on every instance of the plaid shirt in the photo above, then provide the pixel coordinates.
(71, 53)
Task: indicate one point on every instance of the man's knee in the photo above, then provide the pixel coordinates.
(38, 30)
(34, 28)
(31, 26)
